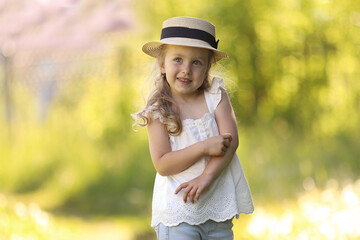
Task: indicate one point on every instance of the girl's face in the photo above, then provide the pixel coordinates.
(186, 68)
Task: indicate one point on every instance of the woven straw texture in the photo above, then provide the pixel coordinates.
(154, 48)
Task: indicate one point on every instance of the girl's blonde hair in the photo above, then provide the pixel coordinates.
(160, 103)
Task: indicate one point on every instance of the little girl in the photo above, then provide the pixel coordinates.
(200, 184)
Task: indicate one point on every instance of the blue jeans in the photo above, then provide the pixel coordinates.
(210, 230)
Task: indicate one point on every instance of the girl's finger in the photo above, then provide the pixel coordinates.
(192, 194)
(198, 193)
(186, 192)
(226, 143)
(184, 185)
(227, 136)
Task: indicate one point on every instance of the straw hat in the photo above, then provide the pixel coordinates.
(186, 31)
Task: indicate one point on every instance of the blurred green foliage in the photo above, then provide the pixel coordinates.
(293, 79)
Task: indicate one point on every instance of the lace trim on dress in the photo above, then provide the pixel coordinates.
(189, 121)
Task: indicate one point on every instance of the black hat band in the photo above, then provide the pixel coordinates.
(185, 32)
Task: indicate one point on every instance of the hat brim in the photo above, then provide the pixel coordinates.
(154, 48)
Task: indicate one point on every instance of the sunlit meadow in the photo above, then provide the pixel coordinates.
(72, 72)
(330, 213)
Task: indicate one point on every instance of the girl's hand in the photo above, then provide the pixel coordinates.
(217, 145)
(195, 187)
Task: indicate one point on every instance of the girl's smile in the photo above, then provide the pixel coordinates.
(184, 80)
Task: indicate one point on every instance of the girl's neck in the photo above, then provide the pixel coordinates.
(192, 107)
(187, 99)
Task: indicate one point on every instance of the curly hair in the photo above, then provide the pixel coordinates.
(160, 103)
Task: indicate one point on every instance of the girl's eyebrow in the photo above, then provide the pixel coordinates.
(181, 55)
(177, 54)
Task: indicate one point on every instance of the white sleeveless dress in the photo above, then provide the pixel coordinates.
(228, 196)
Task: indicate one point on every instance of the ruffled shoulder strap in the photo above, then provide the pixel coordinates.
(153, 112)
(213, 94)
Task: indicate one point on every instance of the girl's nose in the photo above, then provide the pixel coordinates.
(186, 69)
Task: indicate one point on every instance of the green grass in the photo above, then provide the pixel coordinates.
(27, 221)
(330, 213)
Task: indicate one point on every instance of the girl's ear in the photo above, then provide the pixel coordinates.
(162, 68)
(161, 59)
(160, 63)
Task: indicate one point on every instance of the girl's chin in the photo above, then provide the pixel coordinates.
(186, 92)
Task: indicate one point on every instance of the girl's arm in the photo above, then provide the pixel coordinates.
(167, 162)
(226, 122)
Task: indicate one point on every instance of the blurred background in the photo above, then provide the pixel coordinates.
(72, 72)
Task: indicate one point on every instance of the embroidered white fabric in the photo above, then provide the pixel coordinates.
(227, 197)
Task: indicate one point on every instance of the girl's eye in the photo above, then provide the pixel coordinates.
(197, 62)
(178, 60)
